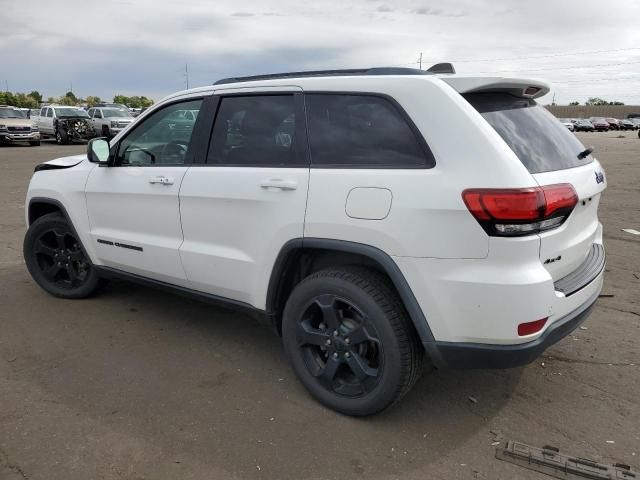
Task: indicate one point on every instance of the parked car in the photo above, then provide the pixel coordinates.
(567, 123)
(34, 113)
(583, 125)
(15, 126)
(614, 124)
(369, 230)
(600, 124)
(635, 122)
(626, 124)
(108, 122)
(65, 124)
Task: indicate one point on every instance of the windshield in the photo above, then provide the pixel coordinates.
(67, 112)
(11, 113)
(540, 142)
(114, 112)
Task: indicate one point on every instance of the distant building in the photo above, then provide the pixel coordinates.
(587, 111)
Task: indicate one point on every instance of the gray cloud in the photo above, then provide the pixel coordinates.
(438, 12)
(142, 46)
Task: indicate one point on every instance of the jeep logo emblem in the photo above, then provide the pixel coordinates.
(599, 177)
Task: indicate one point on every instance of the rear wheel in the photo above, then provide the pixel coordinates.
(56, 260)
(350, 341)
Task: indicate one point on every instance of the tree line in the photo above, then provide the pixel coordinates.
(597, 101)
(34, 98)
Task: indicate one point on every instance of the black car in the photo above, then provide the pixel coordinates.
(583, 125)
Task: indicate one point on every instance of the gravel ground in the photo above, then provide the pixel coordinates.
(135, 384)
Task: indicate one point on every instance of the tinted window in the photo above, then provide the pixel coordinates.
(361, 130)
(161, 138)
(255, 130)
(49, 112)
(540, 142)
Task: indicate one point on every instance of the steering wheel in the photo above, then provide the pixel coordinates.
(173, 152)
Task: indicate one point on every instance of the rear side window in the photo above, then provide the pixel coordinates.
(538, 139)
(256, 130)
(361, 131)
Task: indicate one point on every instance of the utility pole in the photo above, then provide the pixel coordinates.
(6, 86)
(420, 61)
(553, 102)
(186, 74)
(71, 86)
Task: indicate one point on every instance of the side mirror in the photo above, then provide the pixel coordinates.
(98, 151)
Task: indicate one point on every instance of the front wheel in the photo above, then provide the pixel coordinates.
(56, 260)
(61, 137)
(350, 341)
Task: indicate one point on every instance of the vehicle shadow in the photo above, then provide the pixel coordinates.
(212, 387)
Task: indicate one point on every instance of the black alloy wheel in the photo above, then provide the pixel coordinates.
(56, 260)
(340, 348)
(350, 341)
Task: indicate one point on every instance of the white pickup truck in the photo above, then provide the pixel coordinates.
(108, 122)
(65, 124)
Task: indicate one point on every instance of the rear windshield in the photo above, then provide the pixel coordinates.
(538, 139)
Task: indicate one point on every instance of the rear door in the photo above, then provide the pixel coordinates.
(553, 155)
(249, 198)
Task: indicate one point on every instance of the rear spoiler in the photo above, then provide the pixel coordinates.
(515, 86)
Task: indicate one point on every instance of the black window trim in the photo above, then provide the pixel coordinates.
(194, 144)
(429, 159)
(303, 156)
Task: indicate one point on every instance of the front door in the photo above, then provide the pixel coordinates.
(133, 206)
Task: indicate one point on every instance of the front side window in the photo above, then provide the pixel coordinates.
(97, 114)
(163, 138)
(255, 130)
(361, 131)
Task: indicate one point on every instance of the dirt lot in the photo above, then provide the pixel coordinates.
(135, 384)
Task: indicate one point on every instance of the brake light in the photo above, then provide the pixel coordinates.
(521, 211)
(529, 328)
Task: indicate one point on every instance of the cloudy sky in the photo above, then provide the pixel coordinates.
(140, 47)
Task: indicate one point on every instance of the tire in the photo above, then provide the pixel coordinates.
(61, 137)
(35, 143)
(56, 261)
(350, 341)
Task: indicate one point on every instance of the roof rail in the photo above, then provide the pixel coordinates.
(441, 68)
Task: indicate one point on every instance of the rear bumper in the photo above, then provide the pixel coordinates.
(478, 355)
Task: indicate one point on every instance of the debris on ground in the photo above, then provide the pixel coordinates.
(549, 461)
(473, 399)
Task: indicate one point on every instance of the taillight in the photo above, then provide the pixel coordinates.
(522, 211)
(529, 328)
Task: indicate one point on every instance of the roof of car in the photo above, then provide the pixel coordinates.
(316, 80)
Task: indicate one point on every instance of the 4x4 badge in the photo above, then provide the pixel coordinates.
(599, 177)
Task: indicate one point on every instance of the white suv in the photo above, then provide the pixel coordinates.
(373, 217)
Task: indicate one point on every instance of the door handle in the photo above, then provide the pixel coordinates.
(280, 184)
(162, 180)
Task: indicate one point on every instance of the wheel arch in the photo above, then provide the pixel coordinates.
(40, 206)
(300, 257)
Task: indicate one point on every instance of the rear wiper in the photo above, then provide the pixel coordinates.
(585, 153)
